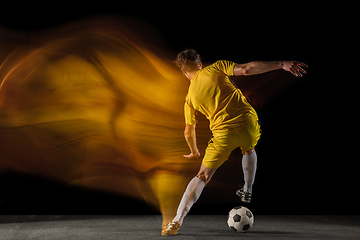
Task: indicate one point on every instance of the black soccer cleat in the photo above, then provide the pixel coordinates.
(244, 196)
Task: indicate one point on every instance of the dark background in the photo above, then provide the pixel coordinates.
(306, 154)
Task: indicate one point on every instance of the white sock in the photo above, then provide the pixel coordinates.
(191, 195)
(249, 169)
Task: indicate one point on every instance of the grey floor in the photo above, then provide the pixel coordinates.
(195, 227)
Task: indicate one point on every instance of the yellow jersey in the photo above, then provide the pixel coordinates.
(213, 94)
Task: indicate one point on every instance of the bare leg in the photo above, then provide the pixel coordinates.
(205, 173)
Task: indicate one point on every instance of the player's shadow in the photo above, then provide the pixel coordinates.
(215, 234)
(269, 232)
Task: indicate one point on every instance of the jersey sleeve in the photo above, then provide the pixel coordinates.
(226, 67)
(190, 114)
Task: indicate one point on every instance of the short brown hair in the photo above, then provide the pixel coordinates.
(189, 60)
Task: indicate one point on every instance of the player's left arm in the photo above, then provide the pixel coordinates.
(258, 67)
(190, 137)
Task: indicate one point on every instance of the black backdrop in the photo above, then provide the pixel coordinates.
(306, 158)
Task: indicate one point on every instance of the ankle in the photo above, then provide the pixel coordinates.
(247, 189)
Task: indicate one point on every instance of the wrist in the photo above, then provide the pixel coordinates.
(196, 152)
(281, 64)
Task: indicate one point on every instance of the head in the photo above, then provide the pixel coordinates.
(189, 62)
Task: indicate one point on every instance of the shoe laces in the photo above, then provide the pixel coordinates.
(174, 224)
(247, 194)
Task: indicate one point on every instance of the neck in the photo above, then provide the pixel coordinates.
(190, 75)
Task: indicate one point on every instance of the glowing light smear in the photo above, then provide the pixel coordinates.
(93, 105)
(96, 104)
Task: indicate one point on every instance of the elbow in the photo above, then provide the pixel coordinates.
(189, 135)
(247, 70)
(243, 69)
(189, 131)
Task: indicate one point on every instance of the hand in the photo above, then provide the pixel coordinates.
(192, 156)
(294, 68)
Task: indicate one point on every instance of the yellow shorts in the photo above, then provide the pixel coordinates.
(220, 148)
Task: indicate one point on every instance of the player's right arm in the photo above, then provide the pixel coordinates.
(258, 67)
(190, 137)
(189, 133)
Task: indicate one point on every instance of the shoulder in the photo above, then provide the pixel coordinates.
(224, 66)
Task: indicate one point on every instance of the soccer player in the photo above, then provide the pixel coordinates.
(233, 122)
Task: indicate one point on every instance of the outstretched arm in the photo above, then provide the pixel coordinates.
(258, 67)
(190, 136)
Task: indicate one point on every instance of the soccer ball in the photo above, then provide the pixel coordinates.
(240, 219)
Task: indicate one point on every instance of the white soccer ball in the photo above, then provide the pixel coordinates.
(240, 219)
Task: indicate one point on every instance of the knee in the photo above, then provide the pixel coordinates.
(250, 152)
(203, 177)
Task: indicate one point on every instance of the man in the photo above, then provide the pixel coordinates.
(233, 122)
